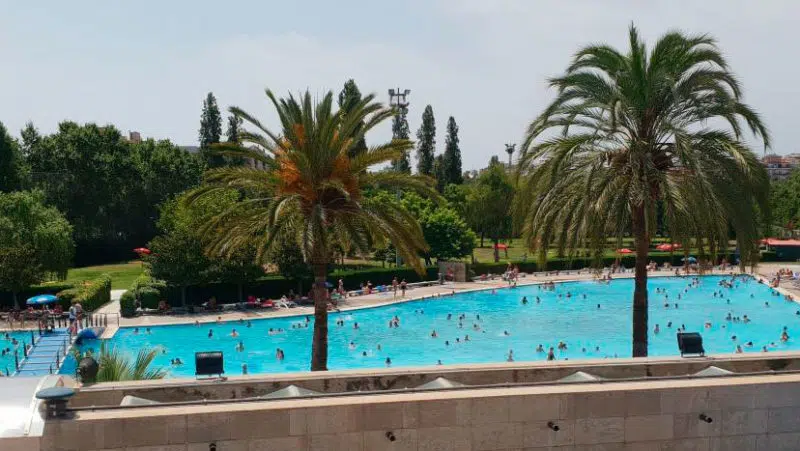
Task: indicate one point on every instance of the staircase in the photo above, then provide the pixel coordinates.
(46, 355)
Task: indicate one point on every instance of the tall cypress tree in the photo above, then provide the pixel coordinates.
(210, 130)
(348, 99)
(400, 130)
(439, 173)
(234, 128)
(426, 142)
(452, 155)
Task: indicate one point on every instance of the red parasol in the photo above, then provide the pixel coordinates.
(142, 251)
(501, 246)
(624, 251)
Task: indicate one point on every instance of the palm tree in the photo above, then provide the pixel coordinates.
(114, 366)
(627, 130)
(313, 190)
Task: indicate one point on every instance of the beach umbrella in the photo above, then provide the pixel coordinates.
(42, 299)
(664, 247)
(690, 259)
(624, 251)
(501, 246)
(142, 251)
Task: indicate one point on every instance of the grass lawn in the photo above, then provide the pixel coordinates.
(122, 274)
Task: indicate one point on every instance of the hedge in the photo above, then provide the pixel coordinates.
(127, 304)
(92, 294)
(149, 297)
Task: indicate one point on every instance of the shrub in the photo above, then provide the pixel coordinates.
(92, 294)
(148, 297)
(127, 304)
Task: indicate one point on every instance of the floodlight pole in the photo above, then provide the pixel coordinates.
(398, 100)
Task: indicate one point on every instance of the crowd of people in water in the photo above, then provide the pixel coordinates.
(459, 328)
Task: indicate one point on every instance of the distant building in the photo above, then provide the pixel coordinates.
(780, 166)
(134, 137)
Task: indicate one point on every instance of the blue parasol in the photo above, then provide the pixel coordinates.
(42, 299)
(690, 260)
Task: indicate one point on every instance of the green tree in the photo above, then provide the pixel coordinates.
(30, 138)
(238, 268)
(449, 235)
(426, 143)
(349, 100)
(489, 202)
(288, 257)
(401, 131)
(108, 188)
(439, 173)
(35, 241)
(210, 131)
(452, 155)
(313, 191)
(628, 129)
(785, 201)
(13, 170)
(234, 128)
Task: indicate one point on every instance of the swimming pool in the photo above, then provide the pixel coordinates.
(570, 313)
(7, 360)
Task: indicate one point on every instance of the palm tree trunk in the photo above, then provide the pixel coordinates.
(319, 346)
(496, 250)
(641, 242)
(239, 288)
(16, 303)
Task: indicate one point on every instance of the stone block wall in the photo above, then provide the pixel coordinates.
(739, 413)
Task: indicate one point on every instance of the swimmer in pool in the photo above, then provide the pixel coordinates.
(656, 329)
(540, 348)
(505, 332)
(433, 334)
(510, 357)
(240, 346)
(524, 300)
(388, 361)
(739, 349)
(351, 346)
(551, 355)
(234, 333)
(210, 333)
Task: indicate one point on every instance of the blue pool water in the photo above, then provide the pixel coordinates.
(7, 360)
(575, 320)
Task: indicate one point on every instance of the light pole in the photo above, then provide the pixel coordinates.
(510, 151)
(398, 100)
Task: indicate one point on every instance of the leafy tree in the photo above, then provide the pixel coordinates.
(401, 131)
(35, 241)
(108, 188)
(456, 196)
(452, 155)
(426, 143)
(210, 130)
(349, 99)
(288, 257)
(449, 235)
(238, 268)
(785, 201)
(177, 257)
(30, 138)
(628, 129)
(313, 191)
(234, 128)
(489, 202)
(13, 170)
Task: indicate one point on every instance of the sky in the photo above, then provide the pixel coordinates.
(147, 65)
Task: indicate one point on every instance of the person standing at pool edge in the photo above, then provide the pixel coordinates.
(403, 286)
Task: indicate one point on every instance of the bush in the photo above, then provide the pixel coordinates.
(6, 299)
(148, 297)
(127, 304)
(92, 294)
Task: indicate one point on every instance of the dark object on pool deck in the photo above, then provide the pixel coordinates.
(55, 399)
(88, 369)
(208, 363)
(691, 343)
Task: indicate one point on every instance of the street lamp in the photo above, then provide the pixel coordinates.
(397, 100)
